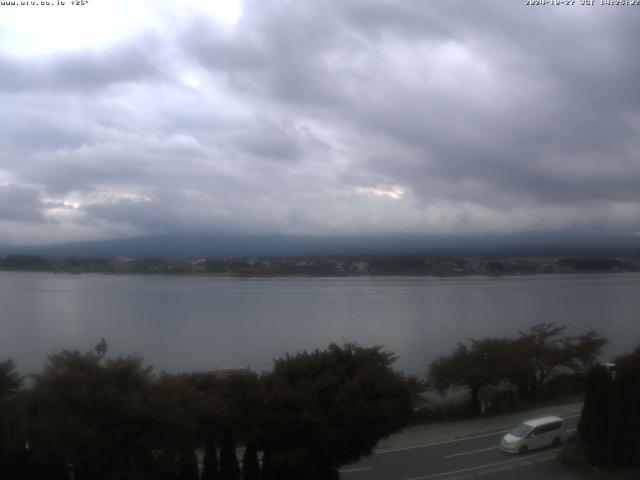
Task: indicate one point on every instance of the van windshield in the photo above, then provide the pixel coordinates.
(521, 430)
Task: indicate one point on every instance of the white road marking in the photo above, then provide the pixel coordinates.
(350, 470)
(479, 467)
(471, 452)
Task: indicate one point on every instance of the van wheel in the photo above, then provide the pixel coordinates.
(556, 442)
(523, 449)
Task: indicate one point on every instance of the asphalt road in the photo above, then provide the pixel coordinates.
(476, 456)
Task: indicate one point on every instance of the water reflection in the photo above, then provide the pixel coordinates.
(187, 323)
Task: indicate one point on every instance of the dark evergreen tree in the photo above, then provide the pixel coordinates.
(594, 421)
(210, 460)
(625, 412)
(250, 463)
(166, 468)
(28, 467)
(267, 469)
(11, 419)
(229, 468)
(10, 381)
(610, 422)
(187, 464)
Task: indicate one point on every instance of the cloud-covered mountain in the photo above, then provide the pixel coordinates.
(234, 246)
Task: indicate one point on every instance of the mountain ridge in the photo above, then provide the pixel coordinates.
(221, 246)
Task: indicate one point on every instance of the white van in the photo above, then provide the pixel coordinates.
(532, 434)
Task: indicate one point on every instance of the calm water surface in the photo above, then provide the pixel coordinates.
(194, 323)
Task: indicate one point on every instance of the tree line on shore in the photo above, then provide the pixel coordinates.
(526, 364)
(326, 265)
(115, 418)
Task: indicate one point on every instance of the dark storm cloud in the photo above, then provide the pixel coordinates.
(139, 212)
(404, 19)
(342, 117)
(535, 105)
(271, 140)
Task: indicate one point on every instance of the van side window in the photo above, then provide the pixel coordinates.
(555, 426)
(549, 427)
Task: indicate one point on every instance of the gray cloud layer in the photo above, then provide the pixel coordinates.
(331, 117)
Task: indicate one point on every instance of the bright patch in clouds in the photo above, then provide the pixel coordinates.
(395, 192)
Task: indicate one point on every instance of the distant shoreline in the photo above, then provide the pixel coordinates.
(328, 266)
(311, 276)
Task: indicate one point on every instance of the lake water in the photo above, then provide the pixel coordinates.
(196, 323)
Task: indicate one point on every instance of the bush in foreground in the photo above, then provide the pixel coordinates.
(96, 419)
(329, 408)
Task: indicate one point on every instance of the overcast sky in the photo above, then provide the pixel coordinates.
(132, 117)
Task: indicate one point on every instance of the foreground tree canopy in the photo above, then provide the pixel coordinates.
(114, 418)
(10, 381)
(329, 408)
(526, 362)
